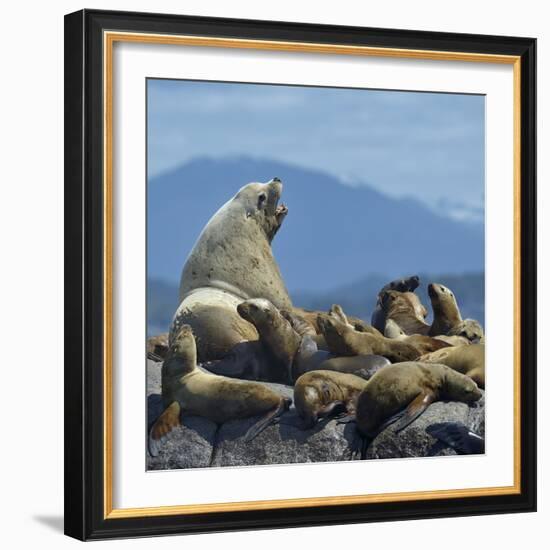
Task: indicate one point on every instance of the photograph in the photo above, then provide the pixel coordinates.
(315, 286)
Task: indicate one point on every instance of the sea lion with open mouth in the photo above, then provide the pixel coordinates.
(232, 261)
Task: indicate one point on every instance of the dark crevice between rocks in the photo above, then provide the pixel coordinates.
(215, 442)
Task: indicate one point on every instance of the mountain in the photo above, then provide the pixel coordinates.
(333, 235)
(357, 298)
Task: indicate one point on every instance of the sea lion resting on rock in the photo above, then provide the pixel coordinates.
(468, 360)
(409, 388)
(218, 398)
(424, 344)
(344, 340)
(319, 394)
(408, 284)
(232, 261)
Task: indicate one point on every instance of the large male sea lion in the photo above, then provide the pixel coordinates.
(411, 386)
(408, 284)
(232, 261)
(187, 388)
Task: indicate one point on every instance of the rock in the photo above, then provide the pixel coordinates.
(200, 443)
(414, 441)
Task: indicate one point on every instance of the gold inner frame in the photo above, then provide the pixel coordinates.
(109, 39)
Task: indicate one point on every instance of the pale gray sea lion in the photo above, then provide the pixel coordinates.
(232, 261)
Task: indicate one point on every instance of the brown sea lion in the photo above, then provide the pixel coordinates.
(412, 387)
(186, 388)
(344, 340)
(232, 261)
(408, 284)
(406, 309)
(424, 344)
(157, 347)
(445, 308)
(320, 393)
(309, 358)
(276, 334)
(470, 330)
(468, 360)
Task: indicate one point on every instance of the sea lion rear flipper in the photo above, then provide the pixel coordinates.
(458, 436)
(164, 424)
(415, 409)
(268, 419)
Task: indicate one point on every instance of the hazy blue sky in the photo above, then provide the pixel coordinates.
(428, 145)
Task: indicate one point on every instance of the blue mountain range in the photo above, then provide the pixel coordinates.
(334, 234)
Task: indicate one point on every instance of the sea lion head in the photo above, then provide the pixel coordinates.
(408, 284)
(459, 387)
(393, 330)
(256, 311)
(441, 295)
(183, 345)
(261, 205)
(469, 329)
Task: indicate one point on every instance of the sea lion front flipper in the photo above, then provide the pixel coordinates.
(266, 420)
(164, 424)
(415, 409)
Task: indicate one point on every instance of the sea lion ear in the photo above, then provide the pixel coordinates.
(262, 200)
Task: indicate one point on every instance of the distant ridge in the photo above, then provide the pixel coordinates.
(334, 233)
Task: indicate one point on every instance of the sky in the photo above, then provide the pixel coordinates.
(400, 143)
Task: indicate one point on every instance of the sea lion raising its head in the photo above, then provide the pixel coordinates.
(232, 261)
(406, 310)
(218, 398)
(407, 284)
(445, 308)
(409, 388)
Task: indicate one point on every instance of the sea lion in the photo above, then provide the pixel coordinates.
(469, 329)
(277, 335)
(424, 344)
(411, 386)
(157, 347)
(309, 358)
(406, 309)
(468, 360)
(187, 388)
(344, 340)
(320, 393)
(232, 261)
(408, 284)
(445, 307)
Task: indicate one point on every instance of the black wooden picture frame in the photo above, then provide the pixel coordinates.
(87, 512)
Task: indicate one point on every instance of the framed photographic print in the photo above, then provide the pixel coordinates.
(300, 274)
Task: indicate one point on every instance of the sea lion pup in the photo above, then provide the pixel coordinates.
(344, 340)
(277, 335)
(408, 284)
(411, 386)
(232, 261)
(218, 398)
(459, 437)
(406, 309)
(424, 344)
(468, 360)
(319, 394)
